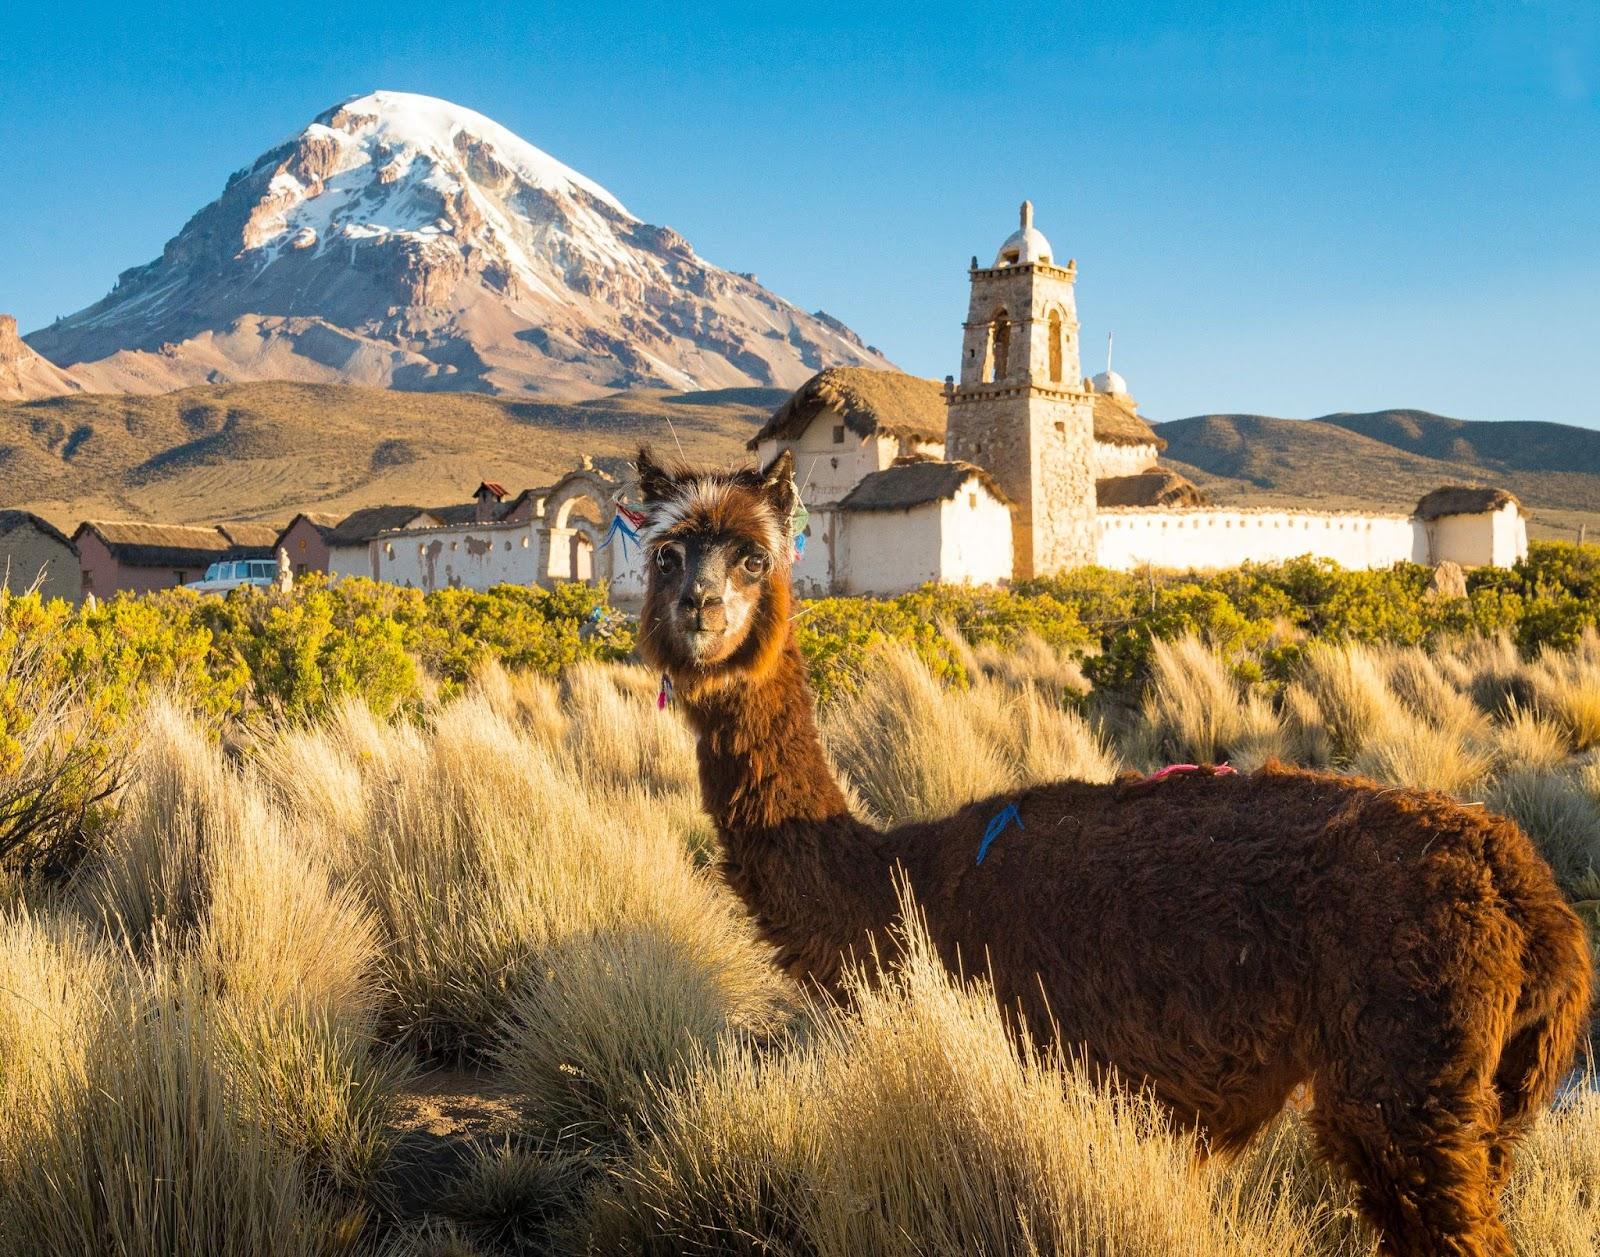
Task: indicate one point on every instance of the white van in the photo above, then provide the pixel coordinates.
(231, 573)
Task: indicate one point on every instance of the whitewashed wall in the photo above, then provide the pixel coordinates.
(1499, 538)
(1123, 460)
(975, 538)
(1213, 538)
(813, 576)
(887, 552)
(351, 561)
(470, 556)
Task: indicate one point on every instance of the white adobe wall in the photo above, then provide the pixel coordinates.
(1493, 538)
(1123, 460)
(1217, 538)
(352, 561)
(975, 538)
(888, 552)
(469, 556)
(813, 575)
(826, 471)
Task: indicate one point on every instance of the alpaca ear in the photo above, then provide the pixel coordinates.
(778, 487)
(655, 482)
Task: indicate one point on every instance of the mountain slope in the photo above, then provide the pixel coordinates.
(266, 450)
(23, 373)
(1387, 458)
(404, 242)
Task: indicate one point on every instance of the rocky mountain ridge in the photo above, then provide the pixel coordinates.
(24, 375)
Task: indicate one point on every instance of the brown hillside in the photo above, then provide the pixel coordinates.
(1390, 458)
(266, 450)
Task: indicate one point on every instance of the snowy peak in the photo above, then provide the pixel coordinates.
(405, 241)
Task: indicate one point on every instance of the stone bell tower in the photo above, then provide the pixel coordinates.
(1021, 411)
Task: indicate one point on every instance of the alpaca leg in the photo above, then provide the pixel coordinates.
(1421, 1166)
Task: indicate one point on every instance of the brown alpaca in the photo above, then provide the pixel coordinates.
(1220, 938)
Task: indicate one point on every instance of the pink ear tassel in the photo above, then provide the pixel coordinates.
(664, 696)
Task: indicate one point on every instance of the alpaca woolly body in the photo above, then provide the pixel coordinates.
(1220, 939)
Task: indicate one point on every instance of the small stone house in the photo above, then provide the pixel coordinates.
(35, 553)
(119, 555)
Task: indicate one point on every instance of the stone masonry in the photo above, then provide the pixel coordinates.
(1021, 410)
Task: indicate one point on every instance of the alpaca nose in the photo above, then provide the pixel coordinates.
(699, 598)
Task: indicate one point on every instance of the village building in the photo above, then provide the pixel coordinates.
(35, 554)
(1019, 466)
(121, 555)
(909, 483)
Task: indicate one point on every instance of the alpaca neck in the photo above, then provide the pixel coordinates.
(816, 879)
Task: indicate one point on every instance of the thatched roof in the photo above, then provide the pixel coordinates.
(1461, 499)
(158, 545)
(360, 527)
(901, 405)
(1116, 422)
(1156, 487)
(250, 537)
(10, 521)
(915, 482)
(867, 401)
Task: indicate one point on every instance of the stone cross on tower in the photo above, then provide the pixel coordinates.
(1020, 410)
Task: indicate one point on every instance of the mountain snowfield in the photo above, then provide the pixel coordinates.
(405, 242)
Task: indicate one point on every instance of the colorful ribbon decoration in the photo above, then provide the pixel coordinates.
(997, 826)
(664, 696)
(798, 519)
(1174, 770)
(626, 524)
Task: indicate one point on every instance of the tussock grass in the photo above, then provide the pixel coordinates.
(1196, 711)
(913, 749)
(615, 1017)
(1565, 687)
(205, 1019)
(914, 1123)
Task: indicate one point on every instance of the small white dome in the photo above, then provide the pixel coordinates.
(1110, 382)
(1026, 244)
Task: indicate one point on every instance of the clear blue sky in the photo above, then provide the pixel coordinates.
(1283, 208)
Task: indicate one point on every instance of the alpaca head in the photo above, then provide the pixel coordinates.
(717, 551)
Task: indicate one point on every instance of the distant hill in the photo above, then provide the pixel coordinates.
(265, 450)
(1390, 458)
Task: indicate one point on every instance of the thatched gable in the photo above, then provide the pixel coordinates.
(1157, 487)
(360, 527)
(868, 402)
(1116, 422)
(916, 482)
(157, 545)
(11, 521)
(1460, 499)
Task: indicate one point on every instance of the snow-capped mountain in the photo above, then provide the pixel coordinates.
(405, 242)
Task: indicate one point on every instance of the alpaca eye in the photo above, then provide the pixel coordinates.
(755, 564)
(667, 559)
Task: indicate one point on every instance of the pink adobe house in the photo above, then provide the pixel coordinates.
(119, 556)
(308, 542)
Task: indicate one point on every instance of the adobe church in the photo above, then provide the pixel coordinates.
(1022, 467)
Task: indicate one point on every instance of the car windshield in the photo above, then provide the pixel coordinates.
(214, 572)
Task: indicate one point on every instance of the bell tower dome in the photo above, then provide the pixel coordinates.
(1020, 410)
